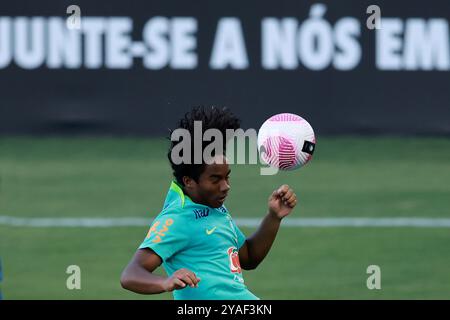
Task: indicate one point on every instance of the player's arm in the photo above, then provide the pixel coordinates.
(254, 250)
(138, 276)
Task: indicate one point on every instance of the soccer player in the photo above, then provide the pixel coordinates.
(194, 237)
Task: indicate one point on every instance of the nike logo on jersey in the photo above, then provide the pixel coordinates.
(209, 232)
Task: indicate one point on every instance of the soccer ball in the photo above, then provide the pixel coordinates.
(286, 141)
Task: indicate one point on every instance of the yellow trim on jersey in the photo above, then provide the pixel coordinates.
(175, 187)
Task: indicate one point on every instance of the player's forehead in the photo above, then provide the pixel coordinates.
(217, 167)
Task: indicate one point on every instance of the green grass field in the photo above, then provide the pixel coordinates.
(112, 177)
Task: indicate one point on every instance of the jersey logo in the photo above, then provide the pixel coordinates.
(161, 232)
(238, 279)
(222, 209)
(201, 213)
(209, 232)
(233, 255)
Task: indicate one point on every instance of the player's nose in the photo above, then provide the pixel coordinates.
(224, 187)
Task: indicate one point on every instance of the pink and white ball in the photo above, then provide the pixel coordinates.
(286, 141)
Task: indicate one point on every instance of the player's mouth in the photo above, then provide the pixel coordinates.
(222, 199)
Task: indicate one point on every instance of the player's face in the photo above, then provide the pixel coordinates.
(213, 184)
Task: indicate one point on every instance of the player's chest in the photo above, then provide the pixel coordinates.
(212, 230)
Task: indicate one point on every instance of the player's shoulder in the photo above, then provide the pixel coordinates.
(180, 214)
(172, 213)
(173, 220)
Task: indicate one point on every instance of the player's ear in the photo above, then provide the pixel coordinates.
(188, 182)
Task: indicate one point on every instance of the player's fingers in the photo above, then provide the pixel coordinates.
(178, 284)
(274, 195)
(190, 274)
(282, 190)
(196, 279)
(287, 195)
(292, 197)
(186, 279)
(193, 278)
(290, 200)
(292, 203)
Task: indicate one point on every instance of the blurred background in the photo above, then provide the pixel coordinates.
(89, 91)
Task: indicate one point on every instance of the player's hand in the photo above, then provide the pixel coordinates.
(282, 201)
(180, 279)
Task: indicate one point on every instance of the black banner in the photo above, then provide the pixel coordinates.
(269, 309)
(115, 67)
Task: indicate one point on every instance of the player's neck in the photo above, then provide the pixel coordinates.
(194, 197)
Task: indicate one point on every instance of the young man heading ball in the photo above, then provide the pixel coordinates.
(194, 236)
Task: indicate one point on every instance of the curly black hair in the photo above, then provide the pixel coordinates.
(212, 118)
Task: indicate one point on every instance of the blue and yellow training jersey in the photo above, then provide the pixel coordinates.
(202, 239)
